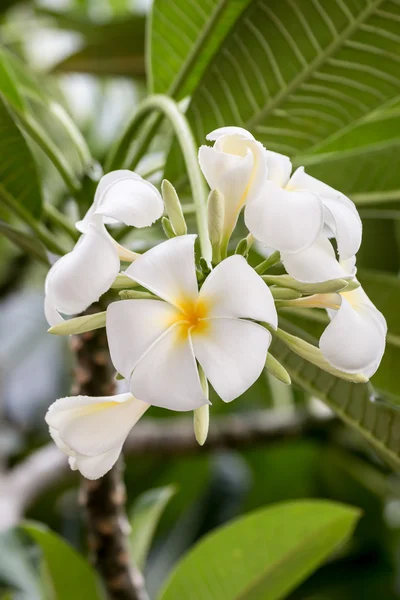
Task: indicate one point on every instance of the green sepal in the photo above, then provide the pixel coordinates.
(274, 367)
(79, 324)
(167, 228)
(173, 208)
(136, 295)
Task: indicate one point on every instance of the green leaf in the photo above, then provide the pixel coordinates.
(366, 149)
(71, 576)
(263, 555)
(16, 567)
(355, 403)
(18, 173)
(114, 48)
(182, 39)
(28, 243)
(144, 518)
(299, 73)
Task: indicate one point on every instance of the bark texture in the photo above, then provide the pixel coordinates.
(103, 500)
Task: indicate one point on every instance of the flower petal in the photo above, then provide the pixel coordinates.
(132, 327)
(167, 375)
(168, 270)
(284, 220)
(341, 214)
(232, 354)
(233, 289)
(222, 131)
(279, 168)
(94, 467)
(130, 200)
(93, 426)
(354, 341)
(315, 264)
(230, 174)
(79, 278)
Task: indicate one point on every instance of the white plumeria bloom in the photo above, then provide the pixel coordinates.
(154, 344)
(293, 210)
(354, 341)
(80, 277)
(92, 431)
(236, 166)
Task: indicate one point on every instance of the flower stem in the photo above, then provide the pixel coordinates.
(63, 222)
(181, 127)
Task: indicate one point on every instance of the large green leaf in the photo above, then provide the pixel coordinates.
(264, 555)
(18, 173)
(144, 518)
(299, 73)
(355, 403)
(17, 570)
(26, 242)
(71, 576)
(182, 39)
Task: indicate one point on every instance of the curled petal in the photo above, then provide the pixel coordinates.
(168, 270)
(124, 197)
(223, 131)
(233, 289)
(230, 174)
(79, 278)
(132, 327)
(284, 220)
(315, 264)
(279, 168)
(93, 426)
(93, 467)
(232, 355)
(341, 215)
(354, 341)
(167, 374)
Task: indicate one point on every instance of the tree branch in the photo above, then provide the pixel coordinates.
(104, 500)
(46, 467)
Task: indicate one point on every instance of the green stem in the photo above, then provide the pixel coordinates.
(61, 221)
(40, 230)
(184, 134)
(34, 130)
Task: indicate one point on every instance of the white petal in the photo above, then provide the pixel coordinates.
(279, 168)
(232, 354)
(131, 200)
(93, 426)
(167, 375)
(315, 264)
(94, 467)
(132, 327)
(222, 131)
(341, 214)
(233, 289)
(230, 174)
(168, 270)
(79, 278)
(105, 182)
(284, 220)
(354, 341)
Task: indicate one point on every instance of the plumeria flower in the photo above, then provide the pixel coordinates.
(354, 341)
(293, 210)
(92, 431)
(80, 277)
(236, 166)
(155, 344)
(283, 211)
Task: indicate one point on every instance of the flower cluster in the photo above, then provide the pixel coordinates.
(192, 323)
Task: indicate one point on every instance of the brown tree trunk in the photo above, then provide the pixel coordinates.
(103, 500)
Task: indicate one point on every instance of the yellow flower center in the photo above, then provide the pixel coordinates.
(192, 318)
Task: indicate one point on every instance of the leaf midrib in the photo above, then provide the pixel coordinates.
(313, 65)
